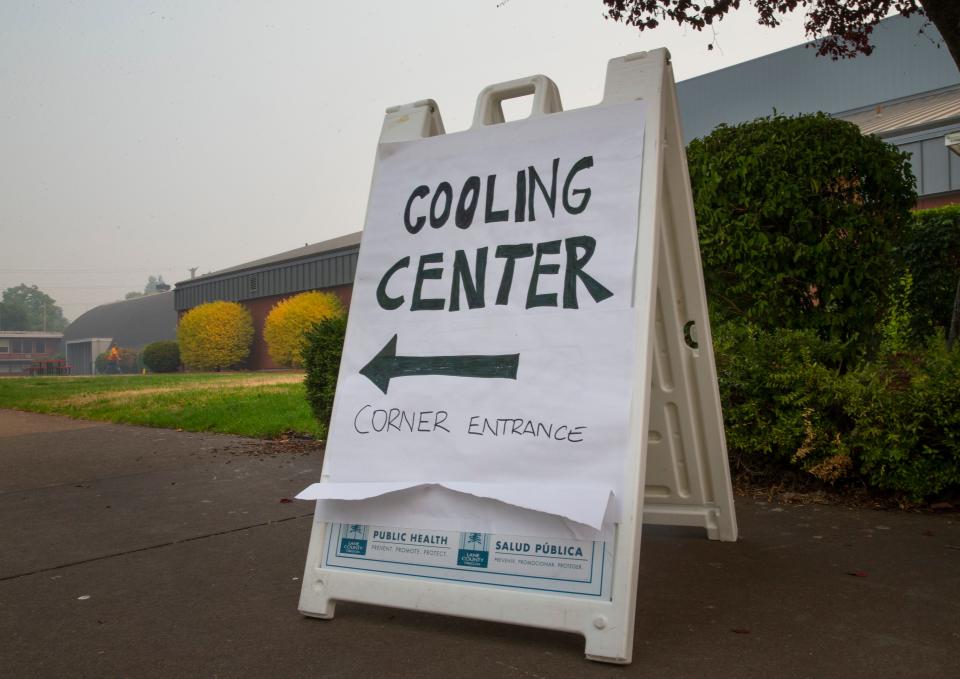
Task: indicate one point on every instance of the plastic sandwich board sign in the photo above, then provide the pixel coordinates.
(527, 374)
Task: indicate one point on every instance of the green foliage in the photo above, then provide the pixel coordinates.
(321, 358)
(26, 307)
(896, 330)
(893, 422)
(129, 362)
(13, 316)
(796, 219)
(906, 408)
(781, 401)
(215, 336)
(162, 357)
(930, 250)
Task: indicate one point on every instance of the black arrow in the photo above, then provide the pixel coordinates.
(386, 365)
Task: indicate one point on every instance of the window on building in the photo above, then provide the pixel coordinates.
(4, 346)
(39, 348)
(252, 283)
(15, 347)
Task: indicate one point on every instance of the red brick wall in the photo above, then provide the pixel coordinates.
(939, 200)
(260, 308)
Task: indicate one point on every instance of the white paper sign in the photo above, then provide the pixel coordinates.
(490, 346)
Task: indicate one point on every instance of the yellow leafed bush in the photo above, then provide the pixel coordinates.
(215, 336)
(291, 318)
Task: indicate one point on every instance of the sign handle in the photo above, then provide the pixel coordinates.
(546, 99)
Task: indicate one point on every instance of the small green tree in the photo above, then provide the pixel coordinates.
(162, 357)
(215, 336)
(322, 350)
(896, 333)
(797, 218)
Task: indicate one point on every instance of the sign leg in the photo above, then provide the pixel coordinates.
(605, 643)
(315, 602)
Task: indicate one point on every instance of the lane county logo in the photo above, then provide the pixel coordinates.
(474, 550)
(355, 542)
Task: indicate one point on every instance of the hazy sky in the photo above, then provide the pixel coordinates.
(141, 138)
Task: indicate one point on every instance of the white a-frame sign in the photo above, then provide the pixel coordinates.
(528, 374)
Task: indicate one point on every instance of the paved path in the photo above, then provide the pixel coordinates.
(131, 552)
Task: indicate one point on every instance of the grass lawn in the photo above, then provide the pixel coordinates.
(261, 405)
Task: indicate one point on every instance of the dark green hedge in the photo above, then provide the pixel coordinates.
(930, 251)
(161, 357)
(797, 218)
(830, 302)
(322, 350)
(892, 423)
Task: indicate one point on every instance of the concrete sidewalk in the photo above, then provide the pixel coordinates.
(132, 552)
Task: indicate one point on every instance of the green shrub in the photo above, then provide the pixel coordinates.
(893, 422)
(162, 357)
(797, 218)
(906, 410)
(127, 362)
(781, 398)
(322, 350)
(930, 251)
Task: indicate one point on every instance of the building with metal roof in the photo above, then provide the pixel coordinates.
(907, 92)
(130, 324)
(919, 125)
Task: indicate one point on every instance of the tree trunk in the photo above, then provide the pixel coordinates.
(945, 15)
(954, 319)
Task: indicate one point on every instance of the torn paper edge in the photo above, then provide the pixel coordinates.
(585, 504)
